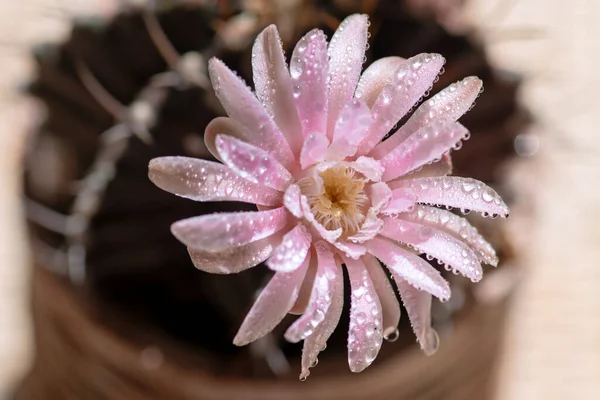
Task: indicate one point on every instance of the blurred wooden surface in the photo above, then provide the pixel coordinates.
(553, 348)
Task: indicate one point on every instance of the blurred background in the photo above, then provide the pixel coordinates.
(551, 341)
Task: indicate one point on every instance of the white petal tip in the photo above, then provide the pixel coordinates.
(239, 341)
(356, 368)
(430, 342)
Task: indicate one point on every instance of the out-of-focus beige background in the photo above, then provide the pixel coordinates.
(556, 45)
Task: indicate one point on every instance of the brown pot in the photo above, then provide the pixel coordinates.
(80, 358)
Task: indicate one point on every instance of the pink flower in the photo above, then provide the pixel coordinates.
(307, 151)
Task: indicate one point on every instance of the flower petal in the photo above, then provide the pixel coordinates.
(351, 250)
(402, 200)
(438, 168)
(320, 298)
(409, 266)
(221, 125)
(243, 107)
(306, 288)
(292, 250)
(273, 303)
(458, 227)
(422, 147)
(309, 68)
(448, 105)
(365, 334)
(235, 259)
(316, 342)
(350, 129)
(452, 191)
(202, 180)
(390, 307)
(380, 195)
(314, 149)
(411, 80)
(252, 163)
(274, 86)
(443, 246)
(291, 200)
(369, 167)
(368, 229)
(330, 236)
(346, 52)
(418, 308)
(375, 77)
(216, 232)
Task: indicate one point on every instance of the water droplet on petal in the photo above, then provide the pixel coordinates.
(361, 318)
(391, 334)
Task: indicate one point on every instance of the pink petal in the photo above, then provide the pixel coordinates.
(351, 250)
(252, 163)
(216, 232)
(350, 129)
(452, 191)
(365, 335)
(273, 303)
(380, 195)
(456, 226)
(221, 125)
(448, 105)
(368, 229)
(375, 77)
(274, 86)
(409, 266)
(316, 342)
(243, 107)
(202, 180)
(402, 200)
(306, 288)
(446, 248)
(309, 68)
(422, 147)
(389, 303)
(330, 236)
(314, 149)
(320, 298)
(412, 79)
(438, 168)
(418, 308)
(235, 259)
(369, 167)
(291, 200)
(292, 250)
(346, 52)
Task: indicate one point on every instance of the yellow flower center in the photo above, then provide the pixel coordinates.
(341, 202)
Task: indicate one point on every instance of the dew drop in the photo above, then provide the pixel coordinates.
(487, 195)
(296, 69)
(468, 186)
(361, 318)
(391, 334)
